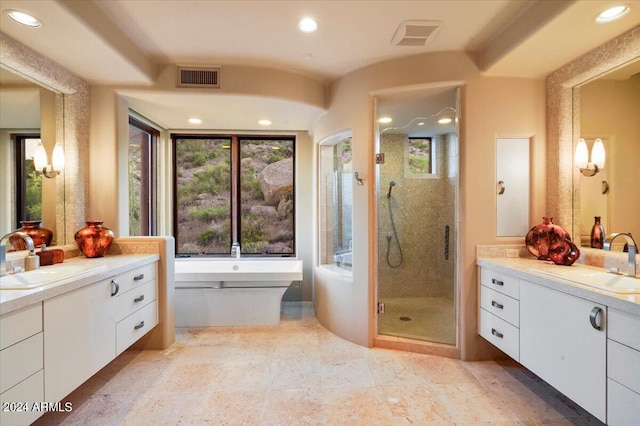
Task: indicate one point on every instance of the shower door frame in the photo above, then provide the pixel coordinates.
(403, 343)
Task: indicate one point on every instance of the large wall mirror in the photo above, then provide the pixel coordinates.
(70, 127)
(610, 111)
(564, 131)
(28, 117)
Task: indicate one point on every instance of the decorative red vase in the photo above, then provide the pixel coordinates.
(94, 240)
(38, 234)
(597, 234)
(547, 238)
(566, 257)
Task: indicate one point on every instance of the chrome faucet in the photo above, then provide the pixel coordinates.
(633, 249)
(3, 249)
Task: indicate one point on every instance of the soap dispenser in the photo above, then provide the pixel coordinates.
(32, 261)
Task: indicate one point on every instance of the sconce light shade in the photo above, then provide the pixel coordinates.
(582, 154)
(597, 153)
(40, 161)
(40, 157)
(57, 158)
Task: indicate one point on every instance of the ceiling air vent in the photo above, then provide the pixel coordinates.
(415, 33)
(199, 77)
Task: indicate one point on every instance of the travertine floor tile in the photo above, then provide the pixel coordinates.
(298, 373)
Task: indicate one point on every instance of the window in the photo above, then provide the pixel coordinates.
(336, 202)
(28, 181)
(143, 141)
(234, 188)
(420, 155)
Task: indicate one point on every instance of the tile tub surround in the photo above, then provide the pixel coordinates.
(300, 373)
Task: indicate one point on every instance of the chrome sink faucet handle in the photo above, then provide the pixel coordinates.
(633, 249)
(3, 249)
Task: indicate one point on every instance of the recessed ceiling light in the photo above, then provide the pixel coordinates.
(445, 120)
(612, 14)
(24, 18)
(307, 55)
(421, 123)
(195, 120)
(264, 122)
(307, 25)
(385, 120)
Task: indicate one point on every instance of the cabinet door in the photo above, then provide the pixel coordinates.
(559, 344)
(512, 182)
(79, 337)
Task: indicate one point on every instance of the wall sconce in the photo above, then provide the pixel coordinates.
(40, 161)
(590, 168)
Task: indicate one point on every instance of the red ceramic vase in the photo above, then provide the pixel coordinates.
(94, 240)
(38, 234)
(597, 234)
(546, 238)
(565, 256)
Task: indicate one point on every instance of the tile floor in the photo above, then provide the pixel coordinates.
(298, 373)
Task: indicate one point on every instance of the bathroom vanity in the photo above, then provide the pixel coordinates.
(56, 333)
(581, 339)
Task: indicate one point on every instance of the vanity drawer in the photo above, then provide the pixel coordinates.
(19, 325)
(20, 361)
(30, 390)
(502, 283)
(136, 277)
(500, 333)
(622, 405)
(135, 326)
(134, 299)
(623, 365)
(500, 305)
(623, 328)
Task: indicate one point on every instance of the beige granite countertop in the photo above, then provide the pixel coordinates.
(104, 267)
(520, 267)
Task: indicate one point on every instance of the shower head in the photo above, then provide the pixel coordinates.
(391, 185)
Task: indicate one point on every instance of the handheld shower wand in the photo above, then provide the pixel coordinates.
(391, 185)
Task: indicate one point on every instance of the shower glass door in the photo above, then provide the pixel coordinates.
(416, 198)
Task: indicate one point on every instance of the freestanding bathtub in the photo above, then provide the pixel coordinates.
(232, 292)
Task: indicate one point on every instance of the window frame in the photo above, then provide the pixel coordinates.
(235, 188)
(20, 175)
(149, 160)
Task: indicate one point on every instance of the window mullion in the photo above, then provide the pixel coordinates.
(235, 189)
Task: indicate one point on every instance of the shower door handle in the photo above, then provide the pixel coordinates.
(446, 242)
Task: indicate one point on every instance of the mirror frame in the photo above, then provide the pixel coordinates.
(72, 128)
(563, 119)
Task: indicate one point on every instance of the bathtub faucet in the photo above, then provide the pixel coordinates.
(633, 248)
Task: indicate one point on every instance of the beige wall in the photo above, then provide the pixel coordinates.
(493, 108)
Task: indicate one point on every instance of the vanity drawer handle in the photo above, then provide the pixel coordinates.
(138, 277)
(496, 333)
(115, 287)
(139, 326)
(139, 298)
(497, 282)
(497, 305)
(593, 318)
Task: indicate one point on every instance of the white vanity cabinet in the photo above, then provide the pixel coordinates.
(498, 319)
(87, 328)
(137, 307)
(623, 369)
(21, 365)
(79, 337)
(563, 340)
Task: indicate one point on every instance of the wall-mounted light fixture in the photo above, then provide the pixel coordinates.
(589, 168)
(40, 161)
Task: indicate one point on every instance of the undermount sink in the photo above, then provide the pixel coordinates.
(593, 277)
(46, 275)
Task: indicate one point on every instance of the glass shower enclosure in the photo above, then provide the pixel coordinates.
(417, 192)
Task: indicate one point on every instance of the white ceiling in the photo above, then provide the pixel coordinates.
(125, 42)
